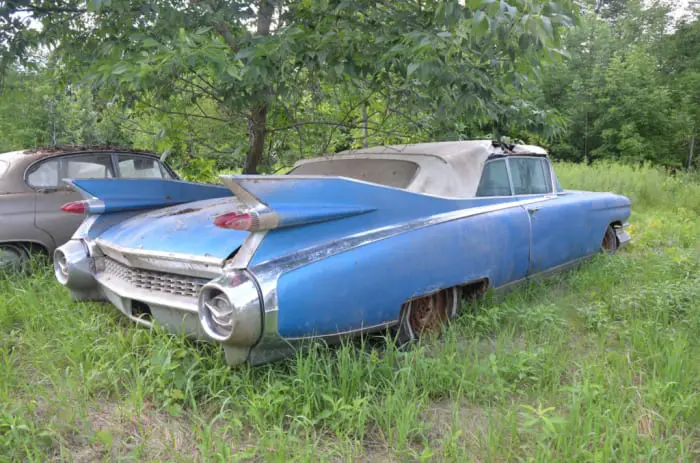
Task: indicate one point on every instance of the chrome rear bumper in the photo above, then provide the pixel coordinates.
(145, 296)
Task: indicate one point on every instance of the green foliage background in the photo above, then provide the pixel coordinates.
(614, 79)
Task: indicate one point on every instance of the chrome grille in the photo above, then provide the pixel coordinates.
(167, 283)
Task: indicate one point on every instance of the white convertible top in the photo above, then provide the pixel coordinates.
(450, 169)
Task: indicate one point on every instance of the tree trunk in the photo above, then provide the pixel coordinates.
(257, 121)
(690, 156)
(365, 142)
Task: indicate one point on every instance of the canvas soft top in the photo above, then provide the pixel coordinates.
(449, 169)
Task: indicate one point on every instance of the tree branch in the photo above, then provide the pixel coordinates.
(303, 123)
(202, 89)
(225, 32)
(49, 10)
(178, 113)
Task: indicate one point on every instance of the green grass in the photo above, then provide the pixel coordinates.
(598, 364)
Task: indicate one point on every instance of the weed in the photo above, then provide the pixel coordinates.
(597, 364)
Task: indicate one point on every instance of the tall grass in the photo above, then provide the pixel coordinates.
(648, 187)
(596, 364)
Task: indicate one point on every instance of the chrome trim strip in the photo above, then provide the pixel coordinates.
(95, 206)
(266, 217)
(340, 334)
(510, 176)
(158, 254)
(183, 264)
(246, 252)
(552, 176)
(267, 273)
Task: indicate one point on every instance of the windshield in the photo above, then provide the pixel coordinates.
(390, 172)
(4, 165)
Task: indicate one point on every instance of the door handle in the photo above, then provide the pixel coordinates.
(533, 209)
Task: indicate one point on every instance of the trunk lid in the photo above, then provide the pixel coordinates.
(182, 229)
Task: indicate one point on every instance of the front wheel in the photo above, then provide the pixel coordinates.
(12, 257)
(609, 243)
(425, 316)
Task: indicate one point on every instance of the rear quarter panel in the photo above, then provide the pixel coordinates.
(17, 220)
(366, 286)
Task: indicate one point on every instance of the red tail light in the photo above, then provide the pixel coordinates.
(76, 207)
(235, 221)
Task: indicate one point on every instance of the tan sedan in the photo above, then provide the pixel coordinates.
(32, 192)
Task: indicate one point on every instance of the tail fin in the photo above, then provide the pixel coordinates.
(277, 201)
(117, 195)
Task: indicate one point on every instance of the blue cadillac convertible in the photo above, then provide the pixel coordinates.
(361, 241)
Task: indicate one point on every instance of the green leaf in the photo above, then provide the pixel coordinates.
(478, 16)
(245, 53)
(119, 69)
(94, 5)
(411, 69)
(547, 24)
(150, 43)
(481, 24)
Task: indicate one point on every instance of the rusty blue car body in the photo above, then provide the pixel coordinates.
(386, 237)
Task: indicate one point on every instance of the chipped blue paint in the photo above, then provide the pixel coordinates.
(183, 229)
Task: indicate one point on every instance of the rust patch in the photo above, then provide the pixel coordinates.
(65, 149)
(187, 210)
(429, 313)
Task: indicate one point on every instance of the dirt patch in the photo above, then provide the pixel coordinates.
(117, 430)
(471, 422)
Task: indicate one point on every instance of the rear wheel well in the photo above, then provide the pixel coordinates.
(429, 312)
(29, 246)
(475, 290)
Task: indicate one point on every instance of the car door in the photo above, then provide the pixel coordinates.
(509, 254)
(46, 178)
(556, 223)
